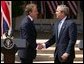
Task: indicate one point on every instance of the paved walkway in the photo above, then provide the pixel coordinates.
(46, 55)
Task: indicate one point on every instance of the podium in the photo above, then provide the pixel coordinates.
(9, 47)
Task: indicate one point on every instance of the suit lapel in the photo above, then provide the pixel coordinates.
(33, 26)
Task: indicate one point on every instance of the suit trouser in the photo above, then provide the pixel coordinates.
(28, 60)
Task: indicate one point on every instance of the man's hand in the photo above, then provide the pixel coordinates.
(64, 57)
(39, 46)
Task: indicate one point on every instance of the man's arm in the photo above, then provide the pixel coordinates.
(46, 44)
(73, 37)
(72, 41)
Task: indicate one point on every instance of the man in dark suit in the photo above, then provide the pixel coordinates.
(64, 35)
(28, 32)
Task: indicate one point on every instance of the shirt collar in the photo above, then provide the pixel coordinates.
(30, 17)
(63, 19)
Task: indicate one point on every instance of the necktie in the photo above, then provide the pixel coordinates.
(59, 28)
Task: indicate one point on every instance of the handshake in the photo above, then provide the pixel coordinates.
(40, 46)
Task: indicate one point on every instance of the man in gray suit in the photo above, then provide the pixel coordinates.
(28, 32)
(64, 35)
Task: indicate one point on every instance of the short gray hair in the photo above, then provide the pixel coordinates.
(29, 7)
(64, 9)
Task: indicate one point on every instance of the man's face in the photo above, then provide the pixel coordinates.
(58, 13)
(34, 12)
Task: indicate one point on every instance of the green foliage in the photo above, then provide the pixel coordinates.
(17, 8)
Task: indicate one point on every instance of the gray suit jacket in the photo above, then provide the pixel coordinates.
(66, 41)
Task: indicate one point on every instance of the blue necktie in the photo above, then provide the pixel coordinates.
(59, 28)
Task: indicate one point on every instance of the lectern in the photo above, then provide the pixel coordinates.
(10, 46)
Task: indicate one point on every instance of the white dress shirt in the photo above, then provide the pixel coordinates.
(30, 17)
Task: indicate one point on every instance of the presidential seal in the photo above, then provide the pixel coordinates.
(8, 43)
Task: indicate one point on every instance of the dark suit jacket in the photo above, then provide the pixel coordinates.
(28, 32)
(66, 40)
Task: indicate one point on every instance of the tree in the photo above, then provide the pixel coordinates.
(17, 9)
